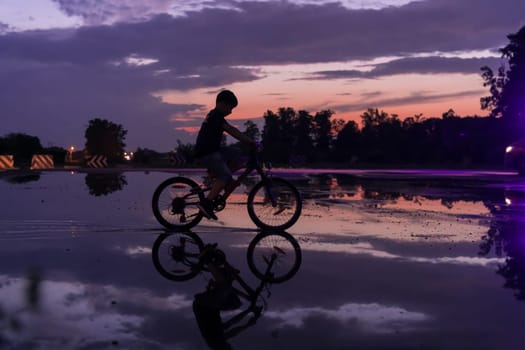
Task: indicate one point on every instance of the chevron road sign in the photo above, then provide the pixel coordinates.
(97, 162)
(177, 160)
(7, 162)
(42, 161)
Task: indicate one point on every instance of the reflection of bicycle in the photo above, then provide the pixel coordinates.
(273, 203)
(273, 257)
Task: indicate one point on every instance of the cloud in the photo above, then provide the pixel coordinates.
(281, 32)
(75, 315)
(413, 98)
(369, 249)
(373, 318)
(414, 65)
(96, 12)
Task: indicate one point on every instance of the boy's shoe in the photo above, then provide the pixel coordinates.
(206, 208)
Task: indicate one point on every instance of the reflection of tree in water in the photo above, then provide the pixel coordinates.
(506, 237)
(330, 186)
(104, 184)
(383, 190)
(22, 178)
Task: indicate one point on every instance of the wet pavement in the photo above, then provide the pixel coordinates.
(390, 260)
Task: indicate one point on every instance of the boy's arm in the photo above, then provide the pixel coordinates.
(233, 131)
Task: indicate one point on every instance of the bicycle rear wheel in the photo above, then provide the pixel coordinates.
(274, 204)
(174, 203)
(274, 257)
(176, 255)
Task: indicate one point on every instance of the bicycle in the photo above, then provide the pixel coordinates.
(273, 203)
(273, 257)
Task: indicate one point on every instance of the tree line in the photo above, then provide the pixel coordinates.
(300, 138)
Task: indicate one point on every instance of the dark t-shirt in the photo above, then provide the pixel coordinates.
(210, 135)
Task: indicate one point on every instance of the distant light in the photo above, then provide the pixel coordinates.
(128, 156)
(508, 149)
(508, 201)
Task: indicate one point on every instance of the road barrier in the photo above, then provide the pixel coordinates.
(42, 161)
(97, 162)
(177, 160)
(7, 162)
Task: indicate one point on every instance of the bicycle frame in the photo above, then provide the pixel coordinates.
(253, 164)
(272, 202)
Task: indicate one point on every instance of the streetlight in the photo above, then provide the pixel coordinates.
(71, 149)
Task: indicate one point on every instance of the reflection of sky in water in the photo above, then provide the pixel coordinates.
(380, 259)
(373, 318)
(366, 248)
(75, 315)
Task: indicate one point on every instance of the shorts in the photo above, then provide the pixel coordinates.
(217, 162)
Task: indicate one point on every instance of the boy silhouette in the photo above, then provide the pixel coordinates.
(208, 148)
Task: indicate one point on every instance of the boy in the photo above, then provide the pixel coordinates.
(208, 147)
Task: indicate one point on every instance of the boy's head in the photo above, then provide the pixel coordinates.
(226, 101)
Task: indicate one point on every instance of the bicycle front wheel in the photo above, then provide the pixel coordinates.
(274, 257)
(176, 255)
(174, 203)
(274, 204)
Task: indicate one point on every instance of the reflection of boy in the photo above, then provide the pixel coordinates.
(208, 147)
(220, 296)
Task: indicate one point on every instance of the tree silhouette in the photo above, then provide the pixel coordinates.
(22, 146)
(507, 86)
(346, 145)
(303, 146)
(186, 151)
(252, 130)
(323, 132)
(105, 138)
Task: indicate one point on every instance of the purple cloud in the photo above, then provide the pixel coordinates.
(414, 98)
(417, 65)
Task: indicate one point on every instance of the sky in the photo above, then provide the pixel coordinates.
(156, 66)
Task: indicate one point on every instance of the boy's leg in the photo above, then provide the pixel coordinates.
(233, 156)
(216, 164)
(216, 188)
